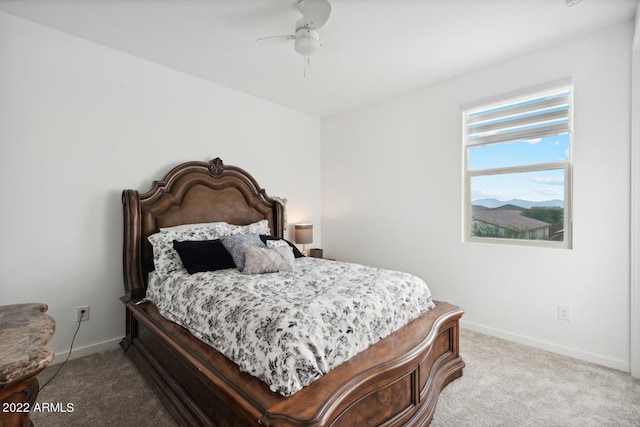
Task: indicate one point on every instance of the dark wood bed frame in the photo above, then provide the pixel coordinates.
(394, 382)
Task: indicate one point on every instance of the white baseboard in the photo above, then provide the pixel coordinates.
(87, 350)
(621, 365)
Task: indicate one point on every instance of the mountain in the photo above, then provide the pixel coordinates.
(526, 204)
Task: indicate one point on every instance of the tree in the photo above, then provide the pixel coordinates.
(483, 229)
(551, 215)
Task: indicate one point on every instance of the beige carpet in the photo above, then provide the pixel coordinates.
(508, 384)
(504, 384)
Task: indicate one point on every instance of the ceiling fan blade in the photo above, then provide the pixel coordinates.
(316, 13)
(283, 37)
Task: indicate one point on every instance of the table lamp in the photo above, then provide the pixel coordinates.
(304, 235)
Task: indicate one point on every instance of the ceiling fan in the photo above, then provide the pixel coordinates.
(315, 14)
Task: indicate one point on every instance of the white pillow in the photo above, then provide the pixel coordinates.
(278, 244)
(165, 258)
(188, 226)
(259, 227)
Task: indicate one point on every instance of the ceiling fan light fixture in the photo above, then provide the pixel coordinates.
(307, 41)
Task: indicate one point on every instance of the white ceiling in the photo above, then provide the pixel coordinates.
(372, 49)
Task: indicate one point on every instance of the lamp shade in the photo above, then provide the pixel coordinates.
(304, 233)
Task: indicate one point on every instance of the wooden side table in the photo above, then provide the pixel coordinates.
(24, 331)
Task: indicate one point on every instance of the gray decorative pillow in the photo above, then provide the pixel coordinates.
(268, 260)
(236, 245)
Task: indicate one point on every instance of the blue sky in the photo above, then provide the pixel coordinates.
(534, 186)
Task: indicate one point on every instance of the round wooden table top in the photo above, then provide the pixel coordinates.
(25, 329)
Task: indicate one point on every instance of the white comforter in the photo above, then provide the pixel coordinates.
(289, 328)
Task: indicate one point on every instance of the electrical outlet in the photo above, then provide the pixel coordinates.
(564, 312)
(82, 313)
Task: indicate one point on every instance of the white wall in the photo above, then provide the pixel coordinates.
(392, 197)
(79, 123)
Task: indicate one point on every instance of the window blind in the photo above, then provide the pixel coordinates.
(522, 119)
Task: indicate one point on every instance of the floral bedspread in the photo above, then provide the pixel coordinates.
(289, 328)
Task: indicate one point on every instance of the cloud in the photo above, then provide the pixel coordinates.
(556, 180)
(550, 191)
(488, 194)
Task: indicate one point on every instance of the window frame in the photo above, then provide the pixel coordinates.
(567, 166)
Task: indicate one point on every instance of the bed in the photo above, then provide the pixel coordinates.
(395, 381)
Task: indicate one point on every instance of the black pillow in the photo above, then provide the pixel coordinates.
(296, 251)
(205, 255)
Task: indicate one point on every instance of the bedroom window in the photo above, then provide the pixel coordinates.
(517, 162)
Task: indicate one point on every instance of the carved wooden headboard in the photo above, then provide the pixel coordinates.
(192, 192)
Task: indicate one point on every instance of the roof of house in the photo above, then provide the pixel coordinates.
(507, 218)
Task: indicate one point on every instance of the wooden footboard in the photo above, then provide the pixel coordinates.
(395, 382)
